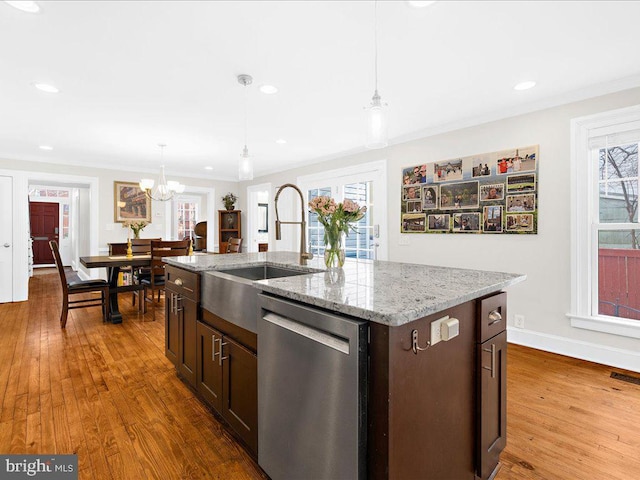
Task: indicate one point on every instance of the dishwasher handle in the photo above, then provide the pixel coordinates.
(311, 333)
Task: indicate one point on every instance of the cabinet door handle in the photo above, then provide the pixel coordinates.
(220, 357)
(178, 300)
(494, 317)
(172, 307)
(213, 348)
(492, 368)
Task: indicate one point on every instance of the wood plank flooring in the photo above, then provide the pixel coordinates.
(107, 393)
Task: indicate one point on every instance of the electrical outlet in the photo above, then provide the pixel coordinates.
(436, 335)
(518, 321)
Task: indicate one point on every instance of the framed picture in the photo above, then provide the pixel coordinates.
(130, 203)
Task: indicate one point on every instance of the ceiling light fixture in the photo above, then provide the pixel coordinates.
(525, 85)
(418, 4)
(45, 87)
(376, 115)
(46, 147)
(29, 7)
(281, 141)
(164, 190)
(268, 89)
(245, 166)
(208, 168)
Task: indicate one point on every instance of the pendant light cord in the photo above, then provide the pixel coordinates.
(375, 41)
(246, 115)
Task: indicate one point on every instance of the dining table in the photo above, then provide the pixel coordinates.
(113, 263)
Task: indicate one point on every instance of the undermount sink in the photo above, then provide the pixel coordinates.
(263, 272)
(231, 295)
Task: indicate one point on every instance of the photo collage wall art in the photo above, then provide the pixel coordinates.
(490, 193)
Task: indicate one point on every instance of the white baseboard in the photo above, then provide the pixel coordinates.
(615, 357)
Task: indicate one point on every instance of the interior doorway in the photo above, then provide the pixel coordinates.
(6, 239)
(44, 221)
(259, 206)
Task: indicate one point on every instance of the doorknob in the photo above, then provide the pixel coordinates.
(7, 245)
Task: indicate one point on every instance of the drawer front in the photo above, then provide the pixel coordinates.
(183, 282)
(493, 316)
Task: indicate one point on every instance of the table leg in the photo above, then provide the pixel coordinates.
(114, 311)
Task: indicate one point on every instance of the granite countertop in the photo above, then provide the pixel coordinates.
(390, 293)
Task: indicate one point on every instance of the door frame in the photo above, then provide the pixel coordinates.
(252, 214)
(21, 181)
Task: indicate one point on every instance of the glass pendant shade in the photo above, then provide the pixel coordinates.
(245, 167)
(377, 133)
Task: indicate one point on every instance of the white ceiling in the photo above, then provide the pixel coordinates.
(135, 74)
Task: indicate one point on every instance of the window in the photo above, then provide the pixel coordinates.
(606, 232)
(187, 212)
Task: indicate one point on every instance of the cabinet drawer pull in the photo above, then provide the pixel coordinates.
(220, 357)
(492, 368)
(494, 317)
(178, 282)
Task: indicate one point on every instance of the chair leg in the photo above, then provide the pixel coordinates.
(65, 311)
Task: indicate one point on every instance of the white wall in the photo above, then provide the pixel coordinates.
(544, 299)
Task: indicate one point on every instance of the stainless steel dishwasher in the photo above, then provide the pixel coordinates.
(312, 373)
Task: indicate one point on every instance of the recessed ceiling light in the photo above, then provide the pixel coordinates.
(420, 4)
(268, 89)
(46, 147)
(281, 141)
(525, 85)
(29, 7)
(45, 87)
(208, 168)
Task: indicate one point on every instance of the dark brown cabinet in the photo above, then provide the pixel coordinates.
(491, 364)
(182, 291)
(492, 403)
(229, 226)
(227, 378)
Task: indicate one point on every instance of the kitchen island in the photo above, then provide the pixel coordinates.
(431, 396)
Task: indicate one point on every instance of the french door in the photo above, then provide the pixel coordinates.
(364, 184)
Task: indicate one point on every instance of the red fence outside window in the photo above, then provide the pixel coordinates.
(619, 282)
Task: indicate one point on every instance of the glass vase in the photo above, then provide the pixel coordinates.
(334, 252)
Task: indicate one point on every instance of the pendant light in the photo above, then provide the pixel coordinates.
(245, 165)
(164, 190)
(376, 117)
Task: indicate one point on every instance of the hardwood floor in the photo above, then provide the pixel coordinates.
(107, 393)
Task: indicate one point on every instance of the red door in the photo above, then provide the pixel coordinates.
(44, 218)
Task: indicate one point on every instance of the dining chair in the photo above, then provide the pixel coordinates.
(233, 245)
(155, 281)
(140, 246)
(73, 285)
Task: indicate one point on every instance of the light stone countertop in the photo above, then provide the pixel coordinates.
(390, 293)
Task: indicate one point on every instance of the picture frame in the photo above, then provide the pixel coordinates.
(130, 203)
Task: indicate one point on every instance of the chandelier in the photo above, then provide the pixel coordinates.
(164, 190)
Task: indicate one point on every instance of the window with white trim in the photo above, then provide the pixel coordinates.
(187, 213)
(605, 228)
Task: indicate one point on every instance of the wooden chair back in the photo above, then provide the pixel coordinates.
(166, 248)
(234, 245)
(142, 246)
(63, 276)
